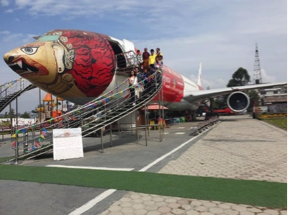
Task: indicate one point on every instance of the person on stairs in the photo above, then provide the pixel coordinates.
(132, 84)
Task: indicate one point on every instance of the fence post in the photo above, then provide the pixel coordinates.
(110, 135)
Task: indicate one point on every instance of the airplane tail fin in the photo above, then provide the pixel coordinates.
(200, 75)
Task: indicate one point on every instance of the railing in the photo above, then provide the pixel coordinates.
(126, 60)
(92, 116)
(204, 125)
(12, 87)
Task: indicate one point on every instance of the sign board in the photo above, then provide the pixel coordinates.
(67, 143)
(261, 109)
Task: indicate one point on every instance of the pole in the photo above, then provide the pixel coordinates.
(136, 126)
(163, 113)
(40, 112)
(25, 148)
(145, 121)
(102, 146)
(51, 106)
(11, 123)
(159, 111)
(110, 135)
(16, 113)
(2, 134)
(16, 151)
(131, 124)
(33, 136)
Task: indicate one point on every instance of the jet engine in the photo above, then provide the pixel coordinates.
(238, 101)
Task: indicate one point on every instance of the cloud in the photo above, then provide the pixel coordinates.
(87, 7)
(4, 3)
(209, 82)
(9, 11)
(267, 78)
(222, 34)
(4, 32)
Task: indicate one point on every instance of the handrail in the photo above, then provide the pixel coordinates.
(126, 60)
(90, 113)
(13, 87)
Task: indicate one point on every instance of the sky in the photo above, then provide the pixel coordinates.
(221, 34)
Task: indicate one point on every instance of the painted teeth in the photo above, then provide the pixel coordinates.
(29, 70)
(19, 63)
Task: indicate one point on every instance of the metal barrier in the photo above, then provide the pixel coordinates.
(204, 125)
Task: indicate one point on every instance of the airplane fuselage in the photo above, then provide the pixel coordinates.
(79, 66)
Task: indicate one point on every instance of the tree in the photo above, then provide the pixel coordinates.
(239, 78)
(25, 115)
(11, 113)
(254, 97)
(6, 115)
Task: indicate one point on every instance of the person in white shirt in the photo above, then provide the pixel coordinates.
(132, 82)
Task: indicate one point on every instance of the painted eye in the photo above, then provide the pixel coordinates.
(29, 50)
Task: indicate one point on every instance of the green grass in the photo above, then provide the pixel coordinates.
(279, 122)
(266, 194)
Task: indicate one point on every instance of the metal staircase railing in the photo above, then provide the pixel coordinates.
(91, 117)
(126, 61)
(10, 90)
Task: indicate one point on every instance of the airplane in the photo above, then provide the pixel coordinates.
(79, 66)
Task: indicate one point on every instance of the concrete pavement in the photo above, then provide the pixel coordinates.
(238, 147)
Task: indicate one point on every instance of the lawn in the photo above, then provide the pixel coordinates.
(258, 193)
(279, 122)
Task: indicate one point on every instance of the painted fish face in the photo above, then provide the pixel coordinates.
(66, 63)
(40, 61)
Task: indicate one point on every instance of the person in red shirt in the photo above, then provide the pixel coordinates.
(145, 57)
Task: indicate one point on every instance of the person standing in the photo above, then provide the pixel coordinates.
(139, 89)
(158, 63)
(132, 85)
(139, 59)
(152, 59)
(145, 57)
(158, 52)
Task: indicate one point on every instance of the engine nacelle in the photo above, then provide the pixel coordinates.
(238, 101)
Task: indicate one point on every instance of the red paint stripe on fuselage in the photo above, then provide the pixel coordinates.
(173, 86)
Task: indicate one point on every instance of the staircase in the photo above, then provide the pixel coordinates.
(91, 117)
(12, 91)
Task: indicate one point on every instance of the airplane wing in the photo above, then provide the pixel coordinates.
(193, 96)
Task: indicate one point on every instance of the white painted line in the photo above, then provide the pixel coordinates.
(107, 193)
(166, 132)
(91, 167)
(180, 133)
(181, 127)
(171, 152)
(92, 202)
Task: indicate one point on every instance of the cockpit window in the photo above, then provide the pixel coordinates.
(49, 38)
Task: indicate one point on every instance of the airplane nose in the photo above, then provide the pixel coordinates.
(9, 57)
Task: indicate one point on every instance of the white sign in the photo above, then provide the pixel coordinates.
(21, 121)
(67, 143)
(261, 109)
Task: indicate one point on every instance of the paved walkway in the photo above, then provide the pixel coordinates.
(242, 149)
(138, 203)
(239, 147)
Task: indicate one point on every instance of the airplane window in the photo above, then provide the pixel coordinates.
(49, 38)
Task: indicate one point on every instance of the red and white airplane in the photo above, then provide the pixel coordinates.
(79, 66)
